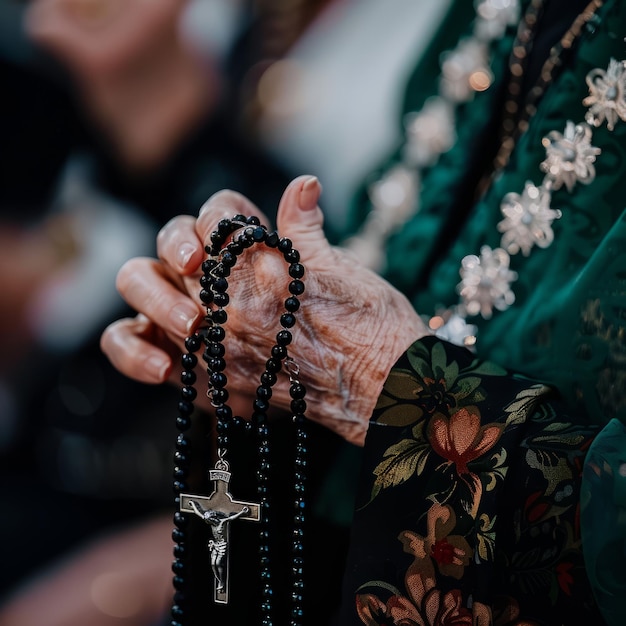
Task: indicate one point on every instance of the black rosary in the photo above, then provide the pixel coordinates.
(219, 508)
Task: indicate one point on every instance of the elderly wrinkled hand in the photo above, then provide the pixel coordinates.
(351, 326)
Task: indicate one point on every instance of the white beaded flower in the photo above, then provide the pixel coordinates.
(394, 196)
(570, 156)
(456, 330)
(394, 200)
(429, 133)
(527, 220)
(465, 70)
(493, 16)
(486, 282)
(607, 95)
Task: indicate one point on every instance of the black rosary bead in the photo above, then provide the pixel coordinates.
(215, 349)
(181, 459)
(182, 443)
(180, 597)
(259, 234)
(235, 247)
(217, 239)
(206, 296)
(221, 299)
(261, 405)
(218, 380)
(240, 219)
(180, 520)
(264, 392)
(228, 259)
(297, 391)
(237, 422)
(189, 361)
(180, 473)
(296, 287)
(268, 378)
(285, 244)
(296, 270)
(183, 422)
(220, 285)
(273, 365)
(185, 408)
(284, 338)
(180, 550)
(287, 320)
(208, 265)
(188, 393)
(298, 406)
(179, 486)
(179, 536)
(292, 304)
(223, 413)
(219, 396)
(224, 227)
(293, 256)
(219, 317)
(279, 352)
(216, 333)
(193, 343)
(272, 239)
(247, 237)
(188, 377)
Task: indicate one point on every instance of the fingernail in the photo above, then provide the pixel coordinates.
(309, 193)
(185, 252)
(157, 367)
(182, 317)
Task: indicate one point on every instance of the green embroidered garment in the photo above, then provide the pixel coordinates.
(480, 480)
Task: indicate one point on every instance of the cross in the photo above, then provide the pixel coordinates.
(218, 510)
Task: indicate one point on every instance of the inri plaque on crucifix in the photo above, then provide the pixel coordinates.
(218, 510)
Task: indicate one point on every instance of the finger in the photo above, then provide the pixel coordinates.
(125, 345)
(224, 204)
(301, 219)
(142, 282)
(178, 245)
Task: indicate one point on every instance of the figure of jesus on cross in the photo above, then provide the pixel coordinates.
(218, 510)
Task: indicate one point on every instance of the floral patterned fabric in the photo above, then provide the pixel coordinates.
(469, 505)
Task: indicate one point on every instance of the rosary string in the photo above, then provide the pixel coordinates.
(216, 269)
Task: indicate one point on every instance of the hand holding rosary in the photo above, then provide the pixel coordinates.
(219, 509)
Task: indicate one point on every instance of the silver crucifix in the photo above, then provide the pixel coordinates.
(218, 510)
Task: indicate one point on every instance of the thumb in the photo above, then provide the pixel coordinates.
(300, 218)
